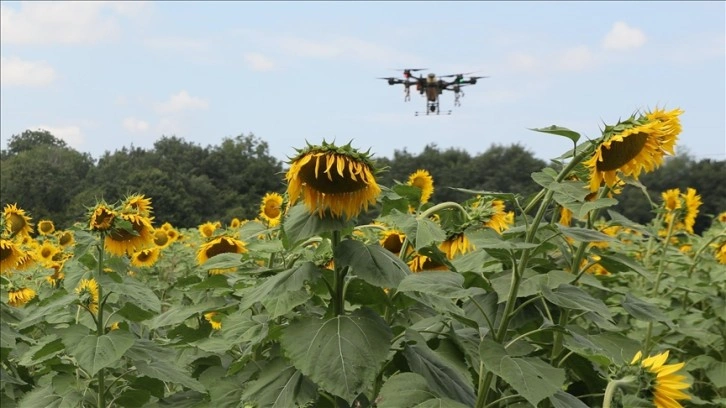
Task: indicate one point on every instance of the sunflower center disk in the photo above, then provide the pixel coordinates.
(331, 182)
(222, 247)
(622, 152)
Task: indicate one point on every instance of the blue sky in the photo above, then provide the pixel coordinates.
(107, 75)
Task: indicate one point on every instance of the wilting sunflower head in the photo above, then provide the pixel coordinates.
(220, 245)
(492, 213)
(133, 233)
(207, 229)
(660, 382)
(46, 227)
(16, 221)
(392, 240)
(10, 254)
(88, 294)
(456, 244)
(19, 297)
(145, 257)
(270, 209)
(138, 204)
(330, 178)
(65, 238)
(423, 180)
(101, 217)
(419, 263)
(633, 146)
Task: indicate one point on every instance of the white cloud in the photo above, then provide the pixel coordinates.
(71, 134)
(135, 125)
(82, 22)
(175, 44)
(623, 37)
(14, 71)
(181, 102)
(258, 62)
(576, 59)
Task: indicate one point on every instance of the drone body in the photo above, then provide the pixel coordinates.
(432, 86)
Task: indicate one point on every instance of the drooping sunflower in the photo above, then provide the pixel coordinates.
(220, 245)
(270, 209)
(65, 238)
(146, 257)
(16, 221)
(662, 382)
(10, 254)
(500, 220)
(423, 180)
(46, 227)
(213, 320)
(456, 244)
(419, 263)
(633, 146)
(101, 218)
(122, 241)
(392, 240)
(138, 204)
(207, 229)
(20, 297)
(329, 178)
(87, 291)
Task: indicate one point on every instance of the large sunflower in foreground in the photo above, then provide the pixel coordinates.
(16, 221)
(423, 180)
(330, 178)
(139, 236)
(634, 146)
(270, 209)
(662, 382)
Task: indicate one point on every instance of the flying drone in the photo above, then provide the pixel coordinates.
(432, 86)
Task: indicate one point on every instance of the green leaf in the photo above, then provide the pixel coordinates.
(52, 305)
(617, 347)
(439, 283)
(562, 399)
(283, 291)
(531, 377)
(223, 261)
(372, 263)
(133, 398)
(560, 131)
(585, 235)
(169, 372)
(573, 297)
(138, 293)
(225, 392)
(46, 348)
(96, 352)
(643, 310)
(441, 376)
(594, 205)
(545, 177)
(552, 279)
(341, 354)
(43, 396)
(178, 314)
(422, 232)
(409, 390)
(717, 374)
(280, 385)
(300, 225)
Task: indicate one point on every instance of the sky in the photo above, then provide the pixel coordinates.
(103, 76)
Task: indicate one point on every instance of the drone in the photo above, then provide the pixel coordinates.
(432, 86)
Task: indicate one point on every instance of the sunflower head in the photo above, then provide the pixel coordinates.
(339, 180)
(132, 233)
(65, 238)
(721, 253)
(138, 204)
(270, 209)
(207, 229)
(392, 240)
(16, 221)
(10, 254)
(101, 217)
(145, 257)
(46, 227)
(661, 382)
(19, 297)
(456, 244)
(46, 253)
(423, 180)
(213, 320)
(635, 145)
(87, 291)
(681, 209)
(220, 245)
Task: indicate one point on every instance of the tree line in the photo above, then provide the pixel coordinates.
(190, 184)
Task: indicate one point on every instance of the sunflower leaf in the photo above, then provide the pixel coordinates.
(300, 224)
(560, 131)
(96, 352)
(372, 263)
(409, 390)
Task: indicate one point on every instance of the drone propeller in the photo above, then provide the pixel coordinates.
(458, 75)
(411, 69)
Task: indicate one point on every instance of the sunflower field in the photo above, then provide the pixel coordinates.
(551, 300)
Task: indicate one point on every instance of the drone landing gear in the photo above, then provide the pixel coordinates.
(431, 114)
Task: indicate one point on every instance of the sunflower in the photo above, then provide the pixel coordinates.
(58, 275)
(331, 178)
(722, 217)
(565, 217)
(10, 254)
(46, 252)
(221, 245)
(65, 238)
(138, 204)
(87, 290)
(20, 297)
(126, 241)
(662, 382)
(270, 209)
(721, 253)
(235, 223)
(681, 208)
(207, 229)
(499, 220)
(173, 235)
(16, 221)
(101, 218)
(392, 240)
(671, 199)
(45, 227)
(634, 146)
(456, 244)
(161, 239)
(423, 263)
(692, 202)
(423, 180)
(146, 257)
(216, 323)
(596, 268)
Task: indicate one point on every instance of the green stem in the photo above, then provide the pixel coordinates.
(99, 322)
(656, 287)
(442, 206)
(338, 280)
(612, 387)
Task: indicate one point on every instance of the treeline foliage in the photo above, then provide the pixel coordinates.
(191, 184)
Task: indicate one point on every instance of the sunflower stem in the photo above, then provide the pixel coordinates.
(612, 387)
(338, 279)
(443, 206)
(654, 293)
(101, 402)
